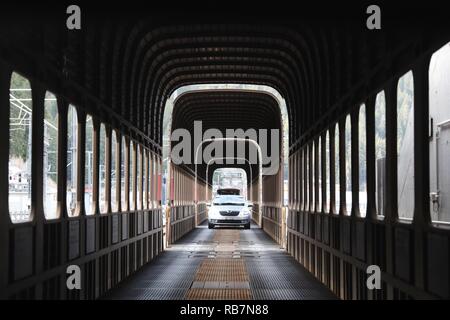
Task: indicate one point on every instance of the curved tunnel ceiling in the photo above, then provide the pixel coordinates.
(226, 110)
(131, 63)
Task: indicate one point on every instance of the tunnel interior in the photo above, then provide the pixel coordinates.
(352, 201)
(222, 111)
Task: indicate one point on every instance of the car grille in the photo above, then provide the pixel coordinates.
(232, 221)
(229, 213)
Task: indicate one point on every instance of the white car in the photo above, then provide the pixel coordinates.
(229, 210)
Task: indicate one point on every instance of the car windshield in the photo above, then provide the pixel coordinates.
(229, 201)
(228, 191)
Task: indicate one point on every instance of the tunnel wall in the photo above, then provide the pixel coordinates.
(337, 244)
(272, 206)
(183, 215)
(254, 199)
(107, 247)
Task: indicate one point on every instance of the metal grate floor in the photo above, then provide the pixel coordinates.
(222, 270)
(219, 294)
(223, 264)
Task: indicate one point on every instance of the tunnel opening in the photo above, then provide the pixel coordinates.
(229, 181)
(219, 100)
